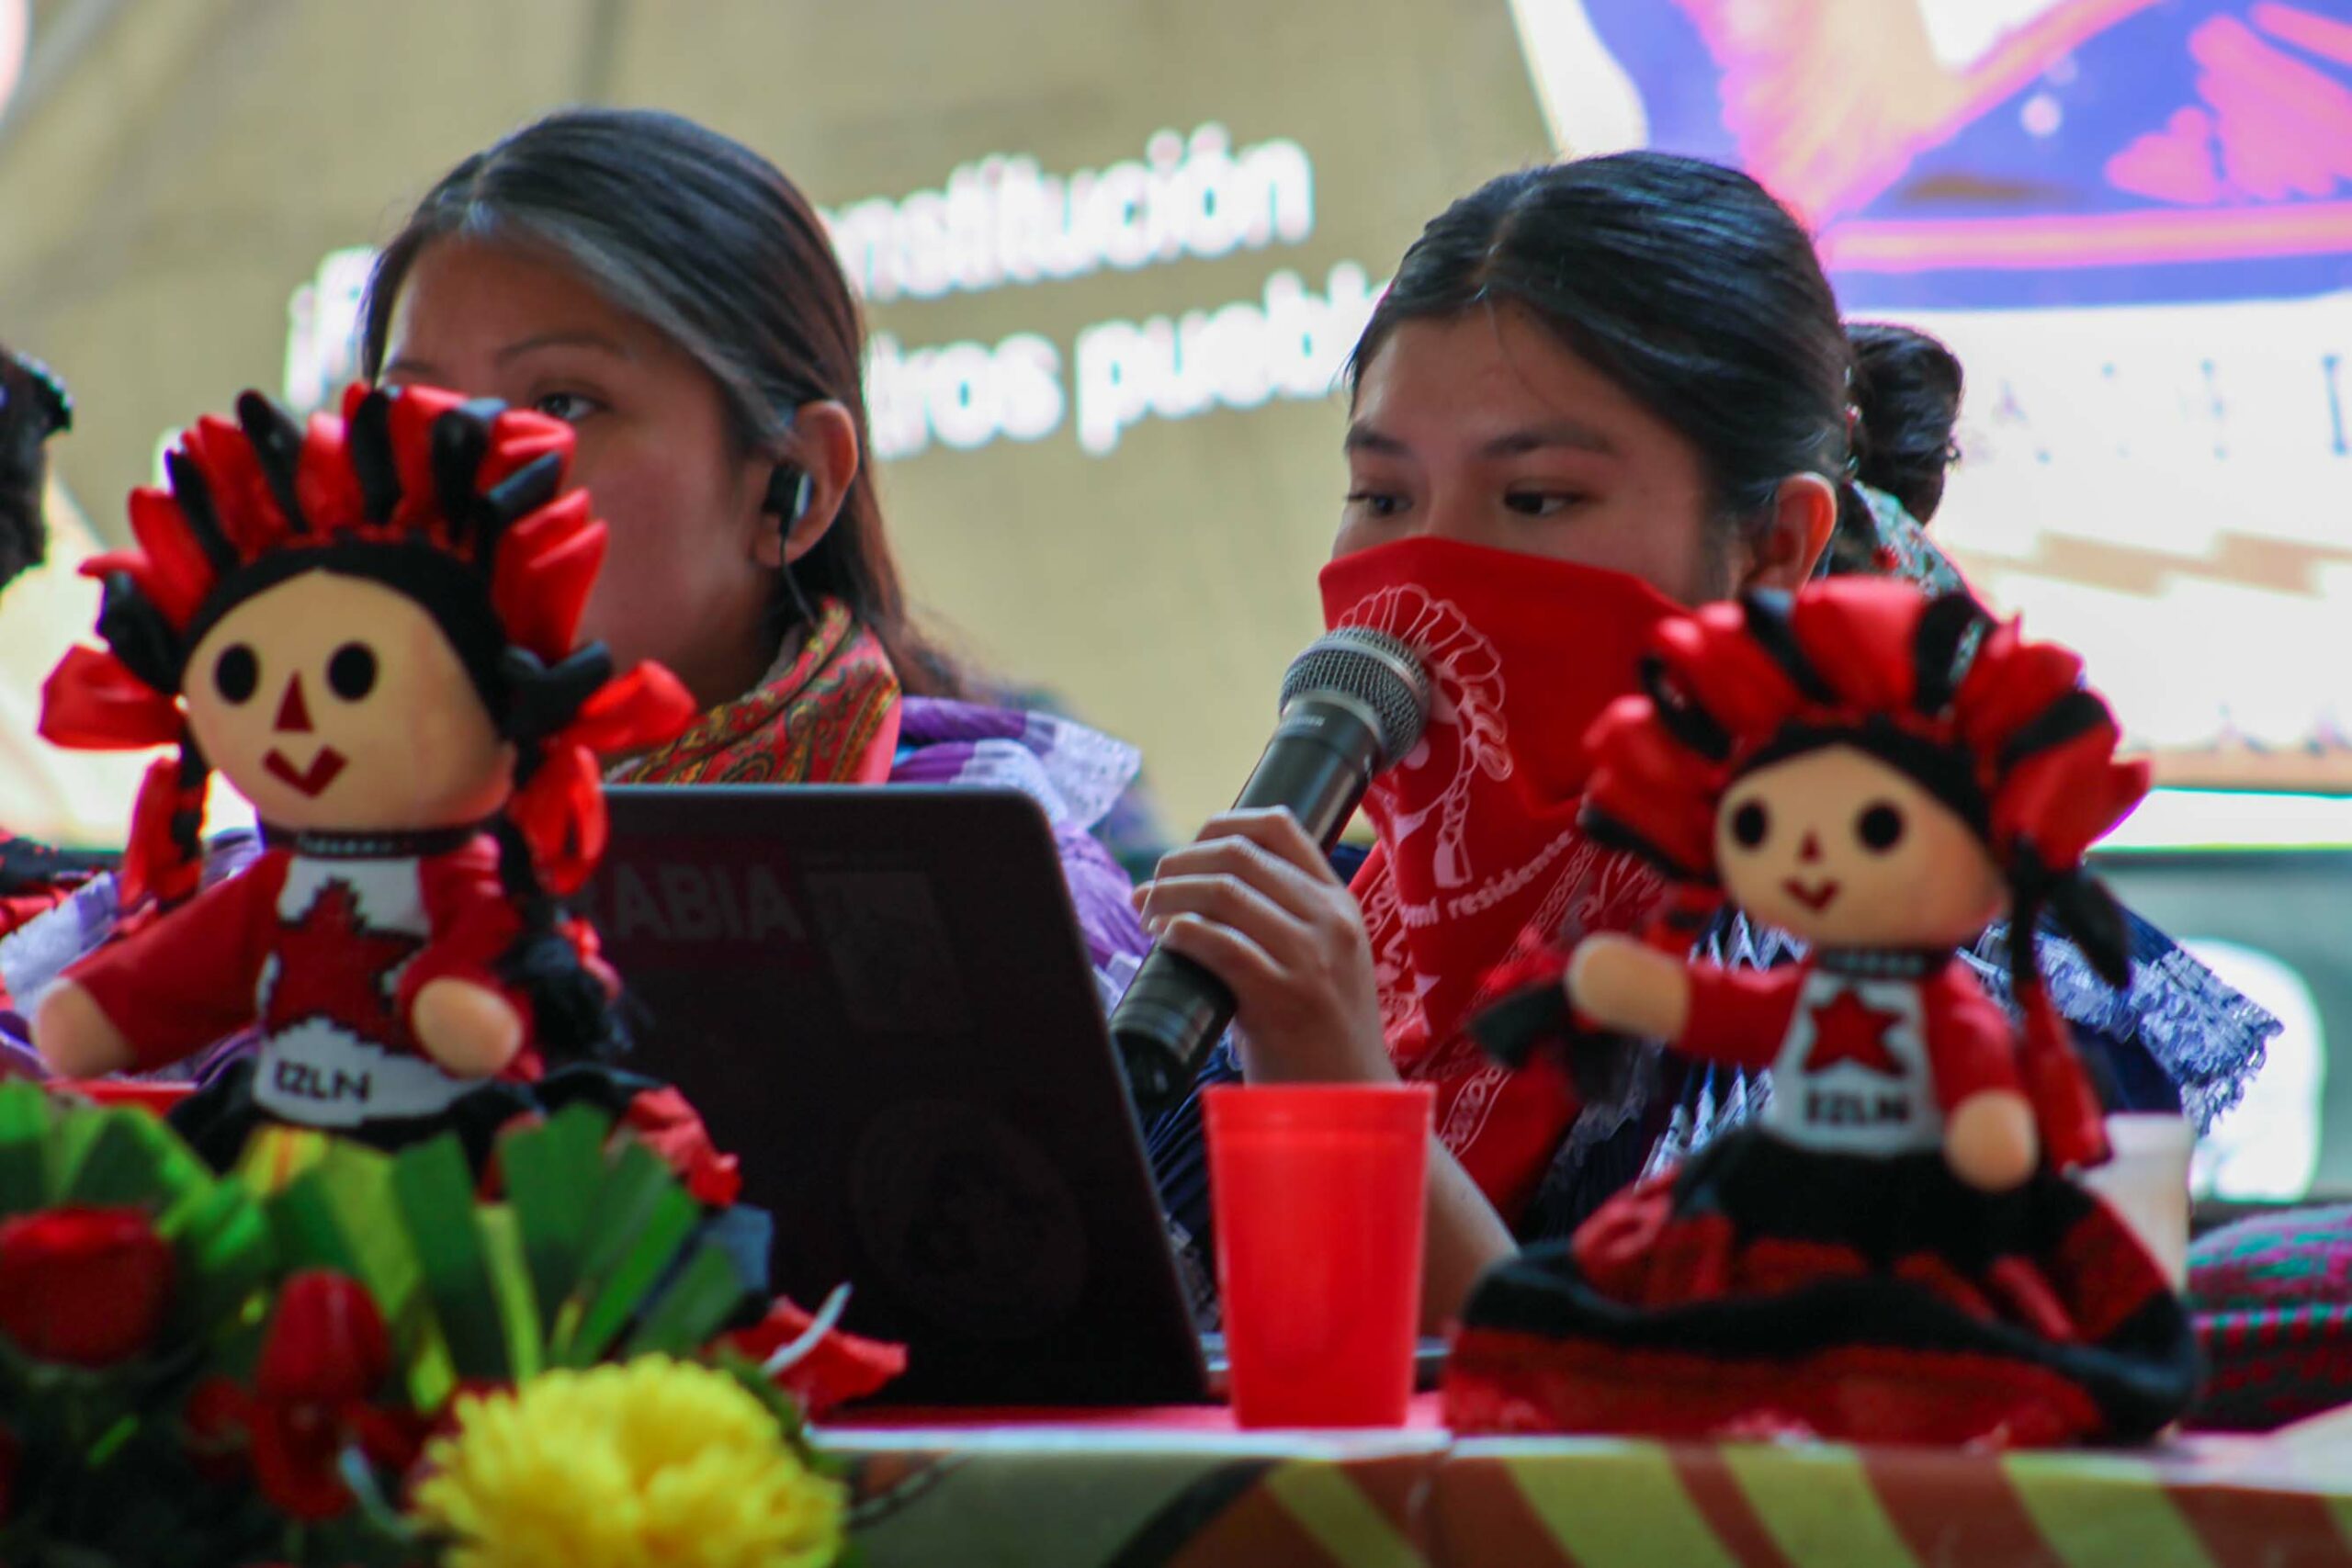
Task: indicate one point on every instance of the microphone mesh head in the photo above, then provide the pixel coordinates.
(1375, 669)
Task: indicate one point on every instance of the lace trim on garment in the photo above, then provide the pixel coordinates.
(1070, 794)
(1716, 1101)
(1625, 1100)
(2208, 1038)
(1091, 770)
(32, 956)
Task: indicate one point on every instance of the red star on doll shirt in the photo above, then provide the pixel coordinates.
(326, 944)
(333, 967)
(1868, 1050)
(1851, 1030)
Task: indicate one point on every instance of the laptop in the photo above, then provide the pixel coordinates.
(879, 1001)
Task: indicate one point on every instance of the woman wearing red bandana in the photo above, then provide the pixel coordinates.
(1594, 393)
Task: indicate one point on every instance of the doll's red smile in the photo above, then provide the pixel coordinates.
(1817, 898)
(311, 780)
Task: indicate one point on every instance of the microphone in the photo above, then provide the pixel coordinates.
(1352, 705)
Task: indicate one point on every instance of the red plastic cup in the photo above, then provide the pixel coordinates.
(1318, 1191)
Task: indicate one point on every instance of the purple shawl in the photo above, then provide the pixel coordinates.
(1077, 774)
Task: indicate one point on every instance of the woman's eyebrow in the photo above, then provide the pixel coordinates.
(582, 339)
(1543, 438)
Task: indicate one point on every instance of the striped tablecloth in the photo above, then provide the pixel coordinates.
(1183, 1489)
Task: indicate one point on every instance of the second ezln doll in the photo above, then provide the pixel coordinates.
(1893, 1250)
(368, 626)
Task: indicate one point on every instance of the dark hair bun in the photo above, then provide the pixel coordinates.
(1907, 386)
(30, 412)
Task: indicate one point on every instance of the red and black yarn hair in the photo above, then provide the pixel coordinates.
(2001, 730)
(460, 506)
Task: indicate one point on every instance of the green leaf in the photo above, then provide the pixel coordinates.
(636, 1182)
(698, 1301)
(435, 1193)
(357, 1182)
(307, 1231)
(70, 1137)
(25, 1115)
(129, 1162)
(640, 1219)
(510, 1279)
(552, 1175)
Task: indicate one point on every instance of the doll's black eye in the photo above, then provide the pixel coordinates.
(352, 670)
(236, 674)
(1879, 827)
(1750, 824)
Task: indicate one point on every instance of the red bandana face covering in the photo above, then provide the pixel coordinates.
(1479, 847)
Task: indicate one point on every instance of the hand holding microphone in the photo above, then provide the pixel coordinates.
(1250, 915)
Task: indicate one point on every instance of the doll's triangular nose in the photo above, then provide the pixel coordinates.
(1807, 852)
(293, 714)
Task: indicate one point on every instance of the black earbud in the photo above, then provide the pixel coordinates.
(787, 495)
(788, 498)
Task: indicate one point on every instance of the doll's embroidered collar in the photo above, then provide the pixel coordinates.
(373, 846)
(1882, 962)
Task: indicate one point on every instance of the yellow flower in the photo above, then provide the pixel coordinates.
(649, 1462)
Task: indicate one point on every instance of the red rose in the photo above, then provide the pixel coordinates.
(324, 1356)
(83, 1286)
(321, 1362)
(326, 1342)
(842, 1366)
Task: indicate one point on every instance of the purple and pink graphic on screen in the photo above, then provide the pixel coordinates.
(2017, 152)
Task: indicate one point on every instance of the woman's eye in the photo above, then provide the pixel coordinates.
(569, 407)
(1541, 503)
(1380, 503)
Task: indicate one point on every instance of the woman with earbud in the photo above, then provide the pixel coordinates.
(671, 295)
